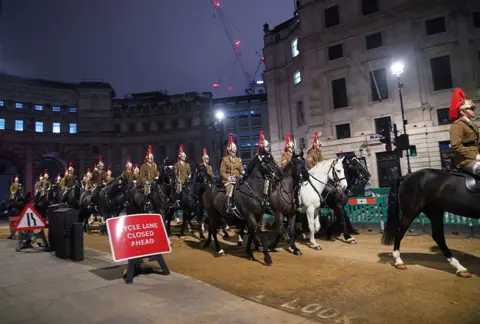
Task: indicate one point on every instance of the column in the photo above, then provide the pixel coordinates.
(29, 171)
(82, 169)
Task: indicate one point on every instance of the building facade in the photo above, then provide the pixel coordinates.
(244, 117)
(46, 125)
(328, 70)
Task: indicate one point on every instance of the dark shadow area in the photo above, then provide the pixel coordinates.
(436, 261)
(110, 273)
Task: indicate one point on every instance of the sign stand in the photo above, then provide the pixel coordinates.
(133, 268)
(28, 221)
(25, 236)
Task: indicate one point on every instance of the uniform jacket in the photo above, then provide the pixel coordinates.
(43, 184)
(231, 166)
(182, 172)
(68, 181)
(98, 177)
(286, 158)
(14, 187)
(313, 157)
(464, 138)
(209, 170)
(127, 176)
(148, 172)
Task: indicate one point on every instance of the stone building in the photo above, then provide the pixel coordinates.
(46, 125)
(328, 70)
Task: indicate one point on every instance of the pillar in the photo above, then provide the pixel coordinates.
(29, 171)
(82, 169)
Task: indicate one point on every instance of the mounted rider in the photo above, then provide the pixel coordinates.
(98, 179)
(287, 151)
(464, 134)
(47, 184)
(68, 180)
(14, 187)
(59, 178)
(182, 169)
(136, 174)
(39, 185)
(108, 176)
(87, 180)
(127, 175)
(314, 154)
(148, 172)
(230, 169)
(262, 151)
(206, 163)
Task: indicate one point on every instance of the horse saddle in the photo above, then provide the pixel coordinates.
(220, 187)
(471, 182)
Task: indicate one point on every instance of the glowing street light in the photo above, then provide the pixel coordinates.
(219, 115)
(397, 69)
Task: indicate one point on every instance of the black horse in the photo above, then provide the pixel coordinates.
(247, 199)
(282, 199)
(432, 192)
(163, 195)
(16, 204)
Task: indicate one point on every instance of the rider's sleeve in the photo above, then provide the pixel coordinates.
(241, 169)
(456, 137)
(223, 170)
(189, 172)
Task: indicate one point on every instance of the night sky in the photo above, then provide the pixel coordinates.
(137, 45)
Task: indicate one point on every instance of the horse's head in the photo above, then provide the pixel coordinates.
(336, 173)
(300, 170)
(357, 169)
(168, 175)
(202, 174)
(268, 168)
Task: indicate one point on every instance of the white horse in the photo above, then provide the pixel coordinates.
(311, 192)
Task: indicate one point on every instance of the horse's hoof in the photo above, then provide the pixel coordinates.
(318, 248)
(464, 274)
(297, 252)
(401, 266)
(268, 262)
(351, 241)
(251, 257)
(221, 253)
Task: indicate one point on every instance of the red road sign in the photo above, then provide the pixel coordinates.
(137, 236)
(362, 201)
(14, 222)
(29, 220)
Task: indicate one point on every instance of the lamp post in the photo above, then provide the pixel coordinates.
(397, 70)
(219, 117)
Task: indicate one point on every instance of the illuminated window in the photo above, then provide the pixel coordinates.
(39, 107)
(19, 105)
(56, 128)
(2, 123)
(73, 128)
(297, 77)
(19, 125)
(56, 109)
(39, 127)
(2, 103)
(73, 109)
(295, 51)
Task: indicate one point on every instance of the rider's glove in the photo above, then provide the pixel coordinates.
(478, 157)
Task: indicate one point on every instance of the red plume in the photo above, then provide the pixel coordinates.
(88, 170)
(458, 96)
(128, 159)
(230, 141)
(108, 169)
(315, 137)
(149, 149)
(260, 141)
(287, 140)
(205, 151)
(100, 159)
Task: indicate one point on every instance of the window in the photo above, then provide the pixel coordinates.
(301, 143)
(374, 41)
(73, 109)
(343, 131)
(297, 77)
(19, 125)
(339, 92)
(146, 126)
(2, 123)
(2, 103)
(19, 105)
(476, 19)
(161, 125)
(435, 26)
(117, 128)
(369, 6)
(175, 123)
(300, 115)
(295, 51)
(39, 127)
(378, 85)
(335, 52)
(56, 109)
(441, 74)
(382, 123)
(442, 115)
(131, 128)
(332, 18)
(38, 107)
(56, 128)
(73, 128)
(446, 155)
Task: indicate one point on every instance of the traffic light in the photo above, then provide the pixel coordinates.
(413, 150)
(386, 137)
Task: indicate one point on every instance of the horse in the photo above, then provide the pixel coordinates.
(282, 199)
(336, 199)
(311, 192)
(163, 195)
(248, 201)
(107, 199)
(43, 199)
(432, 192)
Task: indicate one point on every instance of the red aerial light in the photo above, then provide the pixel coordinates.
(229, 88)
(216, 3)
(216, 85)
(237, 43)
(262, 59)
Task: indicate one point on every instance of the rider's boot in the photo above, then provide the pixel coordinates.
(228, 205)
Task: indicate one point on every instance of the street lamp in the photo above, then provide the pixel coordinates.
(397, 70)
(219, 116)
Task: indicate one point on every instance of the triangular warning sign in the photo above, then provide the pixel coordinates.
(30, 219)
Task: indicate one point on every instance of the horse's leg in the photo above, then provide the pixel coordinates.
(292, 232)
(214, 224)
(241, 233)
(405, 222)
(280, 231)
(251, 234)
(311, 227)
(262, 236)
(436, 220)
(341, 216)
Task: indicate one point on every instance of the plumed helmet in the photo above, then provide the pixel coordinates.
(289, 143)
(70, 166)
(205, 154)
(59, 177)
(109, 171)
(181, 153)
(316, 141)
(263, 143)
(458, 103)
(45, 173)
(89, 173)
(136, 169)
(231, 147)
(16, 178)
(129, 163)
(95, 166)
(100, 161)
(149, 153)
(41, 176)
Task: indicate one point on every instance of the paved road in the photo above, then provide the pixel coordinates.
(36, 287)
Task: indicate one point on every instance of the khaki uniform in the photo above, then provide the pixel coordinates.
(127, 176)
(98, 178)
(286, 158)
(209, 170)
(182, 173)
(464, 139)
(108, 178)
(68, 181)
(231, 166)
(313, 157)
(148, 172)
(14, 188)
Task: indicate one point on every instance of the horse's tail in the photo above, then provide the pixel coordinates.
(393, 218)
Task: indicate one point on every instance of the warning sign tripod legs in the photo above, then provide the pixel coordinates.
(133, 267)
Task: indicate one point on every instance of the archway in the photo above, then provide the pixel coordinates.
(54, 165)
(8, 171)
